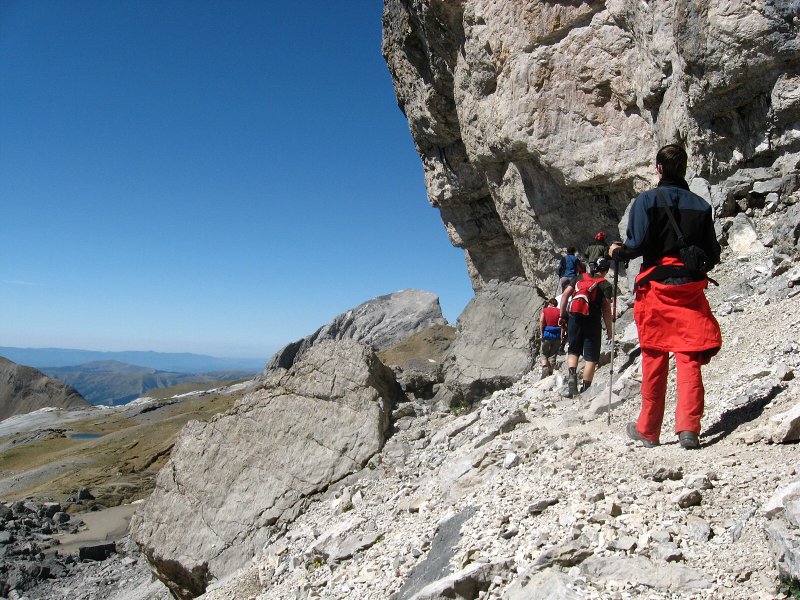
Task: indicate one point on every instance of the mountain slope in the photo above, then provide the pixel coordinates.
(24, 389)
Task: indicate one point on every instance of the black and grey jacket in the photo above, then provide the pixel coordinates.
(650, 234)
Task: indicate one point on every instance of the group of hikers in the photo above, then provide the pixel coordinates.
(573, 318)
(672, 229)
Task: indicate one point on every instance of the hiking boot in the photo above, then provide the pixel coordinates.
(572, 387)
(634, 435)
(689, 440)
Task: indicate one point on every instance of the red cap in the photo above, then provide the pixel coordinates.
(600, 236)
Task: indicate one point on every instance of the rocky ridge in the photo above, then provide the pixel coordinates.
(534, 495)
(527, 114)
(378, 323)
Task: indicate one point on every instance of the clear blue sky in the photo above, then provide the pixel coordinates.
(212, 177)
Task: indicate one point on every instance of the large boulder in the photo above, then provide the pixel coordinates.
(25, 389)
(230, 479)
(494, 344)
(380, 323)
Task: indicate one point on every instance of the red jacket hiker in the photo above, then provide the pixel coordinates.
(671, 311)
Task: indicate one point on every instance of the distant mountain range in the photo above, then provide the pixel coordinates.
(162, 361)
(112, 382)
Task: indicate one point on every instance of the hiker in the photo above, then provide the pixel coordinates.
(596, 250)
(568, 267)
(551, 333)
(586, 300)
(670, 309)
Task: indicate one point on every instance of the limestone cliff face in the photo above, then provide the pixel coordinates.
(537, 121)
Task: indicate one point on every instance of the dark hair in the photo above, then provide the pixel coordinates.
(672, 159)
(552, 302)
(570, 249)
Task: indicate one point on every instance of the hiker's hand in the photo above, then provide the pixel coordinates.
(562, 320)
(608, 334)
(613, 248)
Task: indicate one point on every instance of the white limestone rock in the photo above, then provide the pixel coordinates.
(742, 236)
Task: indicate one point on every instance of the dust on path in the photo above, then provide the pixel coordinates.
(104, 525)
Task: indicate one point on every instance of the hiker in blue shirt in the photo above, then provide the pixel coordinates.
(568, 268)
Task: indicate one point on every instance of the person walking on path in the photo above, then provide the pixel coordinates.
(551, 333)
(670, 308)
(596, 250)
(586, 299)
(568, 267)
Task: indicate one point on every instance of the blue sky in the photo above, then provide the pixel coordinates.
(211, 177)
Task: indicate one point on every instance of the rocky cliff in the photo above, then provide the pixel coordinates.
(538, 121)
(24, 389)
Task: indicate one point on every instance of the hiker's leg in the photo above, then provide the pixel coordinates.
(655, 366)
(575, 348)
(591, 348)
(691, 393)
(589, 368)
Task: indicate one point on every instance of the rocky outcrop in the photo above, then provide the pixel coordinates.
(25, 389)
(380, 323)
(27, 530)
(783, 529)
(230, 481)
(494, 344)
(418, 361)
(537, 122)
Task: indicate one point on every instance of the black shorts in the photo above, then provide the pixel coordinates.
(585, 337)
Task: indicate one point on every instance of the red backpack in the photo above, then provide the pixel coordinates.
(585, 295)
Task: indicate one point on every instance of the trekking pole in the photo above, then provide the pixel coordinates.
(613, 338)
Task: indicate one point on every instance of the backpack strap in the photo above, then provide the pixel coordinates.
(661, 272)
(678, 232)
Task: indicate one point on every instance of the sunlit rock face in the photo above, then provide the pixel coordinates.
(538, 121)
(232, 481)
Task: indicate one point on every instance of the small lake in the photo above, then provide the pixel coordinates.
(85, 436)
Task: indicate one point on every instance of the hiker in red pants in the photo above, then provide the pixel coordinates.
(673, 230)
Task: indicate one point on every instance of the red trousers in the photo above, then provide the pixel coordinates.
(689, 411)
